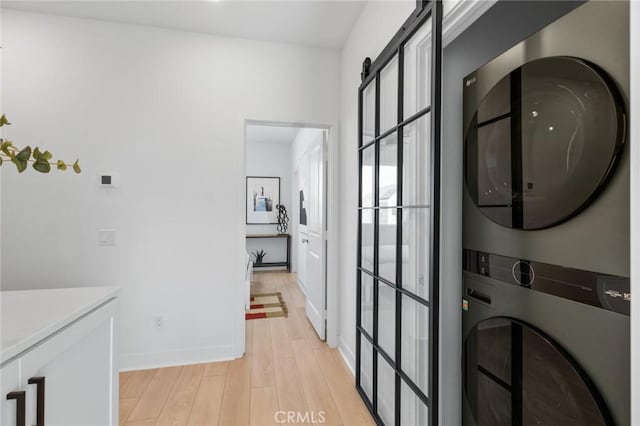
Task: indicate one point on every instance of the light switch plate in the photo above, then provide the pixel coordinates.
(107, 237)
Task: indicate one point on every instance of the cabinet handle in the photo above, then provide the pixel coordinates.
(39, 382)
(19, 396)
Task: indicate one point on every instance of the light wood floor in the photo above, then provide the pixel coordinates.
(286, 368)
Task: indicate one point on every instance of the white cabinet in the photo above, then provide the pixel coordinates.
(8, 383)
(76, 367)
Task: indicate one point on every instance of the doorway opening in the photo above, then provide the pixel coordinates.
(287, 172)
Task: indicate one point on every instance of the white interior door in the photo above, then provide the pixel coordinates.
(303, 220)
(315, 238)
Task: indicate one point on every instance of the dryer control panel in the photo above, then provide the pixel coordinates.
(604, 291)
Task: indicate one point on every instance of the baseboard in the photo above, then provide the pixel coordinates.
(348, 356)
(146, 360)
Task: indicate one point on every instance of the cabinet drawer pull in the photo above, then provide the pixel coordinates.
(19, 396)
(39, 382)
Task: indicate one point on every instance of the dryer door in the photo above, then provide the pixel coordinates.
(515, 375)
(543, 141)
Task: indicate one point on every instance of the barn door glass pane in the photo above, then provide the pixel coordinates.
(387, 318)
(386, 391)
(389, 95)
(416, 251)
(416, 151)
(417, 71)
(366, 303)
(368, 112)
(366, 367)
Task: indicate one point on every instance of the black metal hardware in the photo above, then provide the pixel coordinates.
(479, 295)
(40, 398)
(19, 396)
(366, 64)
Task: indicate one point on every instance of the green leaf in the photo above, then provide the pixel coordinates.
(76, 167)
(61, 165)
(47, 155)
(36, 153)
(21, 165)
(4, 121)
(25, 154)
(42, 166)
(5, 147)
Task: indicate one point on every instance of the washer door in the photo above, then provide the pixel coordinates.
(515, 375)
(543, 141)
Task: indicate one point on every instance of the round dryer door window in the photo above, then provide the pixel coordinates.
(513, 374)
(543, 141)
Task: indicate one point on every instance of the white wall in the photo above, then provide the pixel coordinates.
(378, 22)
(274, 160)
(166, 110)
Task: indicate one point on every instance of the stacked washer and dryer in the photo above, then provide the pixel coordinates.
(546, 297)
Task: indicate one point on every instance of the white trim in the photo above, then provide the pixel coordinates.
(461, 15)
(331, 234)
(146, 360)
(348, 356)
(634, 149)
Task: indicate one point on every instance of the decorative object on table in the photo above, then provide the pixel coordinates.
(263, 194)
(303, 210)
(266, 305)
(259, 256)
(283, 219)
(21, 157)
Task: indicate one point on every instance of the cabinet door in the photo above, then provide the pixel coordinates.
(9, 382)
(81, 385)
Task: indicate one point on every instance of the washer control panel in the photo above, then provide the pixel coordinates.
(608, 292)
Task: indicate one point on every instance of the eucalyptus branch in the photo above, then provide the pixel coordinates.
(40, 161)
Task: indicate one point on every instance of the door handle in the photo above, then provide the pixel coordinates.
(479, 295)
(19, 396)
(304, 240)
(39, 382)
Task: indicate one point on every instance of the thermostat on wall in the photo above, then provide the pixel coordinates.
(108, 180)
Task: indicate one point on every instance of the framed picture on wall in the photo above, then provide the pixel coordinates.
(263, 195)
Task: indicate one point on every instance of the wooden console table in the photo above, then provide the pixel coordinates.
(287, 263)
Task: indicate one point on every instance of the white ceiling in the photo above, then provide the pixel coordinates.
(309, 23)
(271, 134)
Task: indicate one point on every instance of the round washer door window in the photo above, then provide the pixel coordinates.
(542, 142)
(513, 374)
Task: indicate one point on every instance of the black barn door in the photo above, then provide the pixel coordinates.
(398, 231)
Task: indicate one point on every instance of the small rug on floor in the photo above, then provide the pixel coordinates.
(267, 305)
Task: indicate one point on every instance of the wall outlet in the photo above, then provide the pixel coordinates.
(158, 323)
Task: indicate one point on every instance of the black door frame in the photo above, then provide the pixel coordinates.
(424, 11)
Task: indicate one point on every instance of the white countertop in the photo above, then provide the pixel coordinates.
(29, 316)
